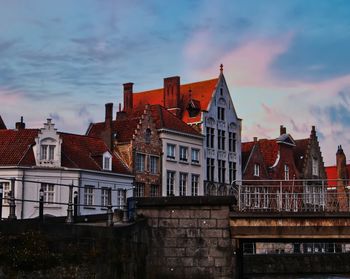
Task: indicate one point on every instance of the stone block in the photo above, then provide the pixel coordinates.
(211, 233)
(224, 242)
(206, 262)
(172, 223)
(188, 223)
(170, 242)
(174, 252)
(207, 223)
(175, 232)
(226, 233)
(200, 214)
(197, 252)
(193, 232)
(222, 223)
(220, 262)
(182, 213)
(220, 214)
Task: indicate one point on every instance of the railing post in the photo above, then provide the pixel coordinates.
(109, 209)
(75, 208)
(239, 197)
(69, 219)
(125, 209)
(1, 194)
(41, 205)
(281, 197)
(12, 214)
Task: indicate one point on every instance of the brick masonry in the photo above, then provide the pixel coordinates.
(188, 240)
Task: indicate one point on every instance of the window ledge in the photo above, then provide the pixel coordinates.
(170, 159)
(184, 162)
(89, 207)
(195, 163)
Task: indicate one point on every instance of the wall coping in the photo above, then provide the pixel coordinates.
(183, 201)
(284, 215)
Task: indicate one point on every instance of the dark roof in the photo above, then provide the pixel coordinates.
(300, 152)
(2, 124)
(77, 151)
(247, 148)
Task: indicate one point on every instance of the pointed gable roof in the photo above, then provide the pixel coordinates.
(300, 153)
(201, 94)
(2, 124)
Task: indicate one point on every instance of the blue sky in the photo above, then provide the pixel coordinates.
(286, 62)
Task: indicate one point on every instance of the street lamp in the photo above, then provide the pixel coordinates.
(41, 205)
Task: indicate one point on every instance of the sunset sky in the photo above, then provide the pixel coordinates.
(286, 62)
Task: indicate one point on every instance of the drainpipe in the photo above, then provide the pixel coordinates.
(22, 209)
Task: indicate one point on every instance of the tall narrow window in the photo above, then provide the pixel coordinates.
(171, 151)
(120, 198)
(221, 171)
(51, 152)
(183, 184)
(210, 137)
(6, 190)
(89, 195)
(195, 156)
(104, 196)
(183, 153)
(43, 152)
(154, 190)
(232, 171)
(49, 192)
(194, 184)
(106, 163)
(315, 169)
(170, 183)
(231, 142)
(148, 135)
(210, 169)
(256, 170)
(140, 162)
(221, 139)
(221, 113)
(154, 164)
(139, 190)
(286, 172)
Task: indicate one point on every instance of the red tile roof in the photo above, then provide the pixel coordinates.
(332, 174)
(269, 150)
(201, 92)
(246, 151)
(77, 151)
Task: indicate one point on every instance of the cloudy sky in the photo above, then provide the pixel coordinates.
(286, 62)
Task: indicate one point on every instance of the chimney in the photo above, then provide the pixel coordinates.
(255, 139)
(341, 182)
(109, 115)
(171, 95)
(20, 125)
(283, 130)
(128, 98)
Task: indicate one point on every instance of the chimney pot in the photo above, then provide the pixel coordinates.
(283, 130)
(109, 114)
(255, 139)
(20, 125)
(128, 96)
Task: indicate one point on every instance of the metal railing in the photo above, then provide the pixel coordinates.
(312, 195)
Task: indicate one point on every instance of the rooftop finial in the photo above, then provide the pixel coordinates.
(221, 68)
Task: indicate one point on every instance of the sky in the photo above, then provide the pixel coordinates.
(285, 62)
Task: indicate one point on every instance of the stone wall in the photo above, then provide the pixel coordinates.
(190, 237)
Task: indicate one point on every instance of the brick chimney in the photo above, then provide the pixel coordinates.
(172, 94)
(283, 130)
(107, 133)
(342, 177)
(20, 125)
(128, 98)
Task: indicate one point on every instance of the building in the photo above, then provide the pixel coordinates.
(164, 153)
(2, 124)
(207, 106)
(50, 160)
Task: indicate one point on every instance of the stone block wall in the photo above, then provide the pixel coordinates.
(190, 237)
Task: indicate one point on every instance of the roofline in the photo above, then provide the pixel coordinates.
(199, 136)
(67, 169)
(250, 155)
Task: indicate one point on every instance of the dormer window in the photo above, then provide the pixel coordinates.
(107, 161)
(256, 170)
(47, 152)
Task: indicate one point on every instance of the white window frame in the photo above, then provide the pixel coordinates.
(286, 172)
(107, 161)
(256, 170)
(89, 195)
(140, 162)
(183, 183)
(170, 151)
(154, 164)
(139, 190)
(104, 196)
(170, 183)
(195, 155)
(120, 198)
(183, 153)
(6, 189)
(194, 184)
(49, 192)
(315, 167)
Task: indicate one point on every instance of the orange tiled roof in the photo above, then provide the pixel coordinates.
(201, 92)
(269, 150)
(16, 149)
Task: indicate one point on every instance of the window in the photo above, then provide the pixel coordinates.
(221, 139)
(43, 152)
(183, 153)
(195, 156)
(139, 190)
(286, 172)
(49, 192)
(51, 152)
(154, 164)
(170, 183)
(170, 151)
(104, 196)
(210, 137)
(183, 184)
(210, 169)
(89, 195)
(232, 171)
(221, 171)
(194, 184)
(256, 170)
(106, 163)
(148, 135)
(221, 113)
(120, 198)
(6, 188)
(315, 170)
(140, 162)
(154, 190)
(231, 142)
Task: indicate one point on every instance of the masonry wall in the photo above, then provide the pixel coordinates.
(190, 237)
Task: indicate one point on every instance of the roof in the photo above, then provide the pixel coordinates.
(77, 151)
(300, 152)
(125, 127)
(247, 148)
(269, 150)
(2, 124)
(201, 93)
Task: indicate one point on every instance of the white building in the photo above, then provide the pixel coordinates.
(49, 160)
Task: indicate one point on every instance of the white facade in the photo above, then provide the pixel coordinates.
(182, 164)
(222, 123)
(29, 180)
